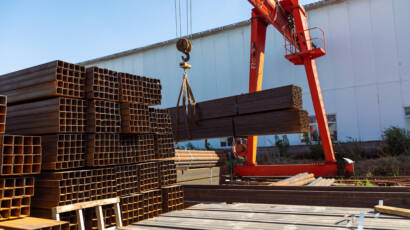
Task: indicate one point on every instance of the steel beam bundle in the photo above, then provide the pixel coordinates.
(135, 118)
(266, 123)
(56, 78)
(70, 217)
(172, 198)
(69, 187)
(127, 179)
(103, 117)
(148, 176)
(152, 91)
(281, 98)
(132, 208)
(338, 196)
(272, 111)
(137, 148)
(56, 115)
(146, 147)
(164, 146)
(3, 112)
(103, 149)
(160, 121)
(167, 172)
(16, 196)
(20, 155)
(102, 84)
(130, 152)
(131, 89)
(63, 151)
(152, 203)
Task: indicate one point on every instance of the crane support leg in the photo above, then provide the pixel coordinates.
(316, 93)
(258, 37)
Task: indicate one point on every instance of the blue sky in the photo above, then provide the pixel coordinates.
(34, 32)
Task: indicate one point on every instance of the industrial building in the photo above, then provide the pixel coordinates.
(365, 75)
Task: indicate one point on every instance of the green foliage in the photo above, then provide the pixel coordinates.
(316, 151)
(316, 148)
(282, 144)
(306, 138)
(351, 149)
(367, 183)
(396, 141)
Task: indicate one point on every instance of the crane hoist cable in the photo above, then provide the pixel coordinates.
(186, 100)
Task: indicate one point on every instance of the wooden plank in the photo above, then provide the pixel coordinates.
(392, 210)
(84, 205)
(32, 223)
(80, 219)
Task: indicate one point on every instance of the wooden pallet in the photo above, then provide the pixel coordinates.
(97, 204)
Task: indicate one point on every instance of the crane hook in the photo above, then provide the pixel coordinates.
(184, 45)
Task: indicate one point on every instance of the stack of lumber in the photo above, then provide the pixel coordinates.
(198, 158)
(20, 160)
(272, 111)
(301, 179)
(101, 139)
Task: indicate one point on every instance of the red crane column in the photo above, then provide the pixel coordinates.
(305, 45)
(257, 52)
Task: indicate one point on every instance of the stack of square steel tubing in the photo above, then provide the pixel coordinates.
(20, 156)
(101, 139)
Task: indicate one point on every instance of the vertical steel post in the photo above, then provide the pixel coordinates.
(258, 37)
(305, 44)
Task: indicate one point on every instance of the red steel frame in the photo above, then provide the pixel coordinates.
(270, 12)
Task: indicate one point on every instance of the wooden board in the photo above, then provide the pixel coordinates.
(32, 223)
(393, 210)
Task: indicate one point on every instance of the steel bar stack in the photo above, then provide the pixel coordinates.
(272, 111)
(20, 157)
(103, 142)
(53, 79)
(199, 158)
(3, 112)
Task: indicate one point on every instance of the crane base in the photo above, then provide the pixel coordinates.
(318, 169)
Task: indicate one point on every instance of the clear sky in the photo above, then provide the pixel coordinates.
(34, 32)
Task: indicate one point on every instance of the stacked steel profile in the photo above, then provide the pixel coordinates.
(20, 158)
(101, 139)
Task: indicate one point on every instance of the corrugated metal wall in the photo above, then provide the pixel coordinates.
(365, 76)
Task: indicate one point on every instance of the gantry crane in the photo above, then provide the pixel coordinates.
(290, 19)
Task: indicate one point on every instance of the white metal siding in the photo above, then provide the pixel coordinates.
(365, 76)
